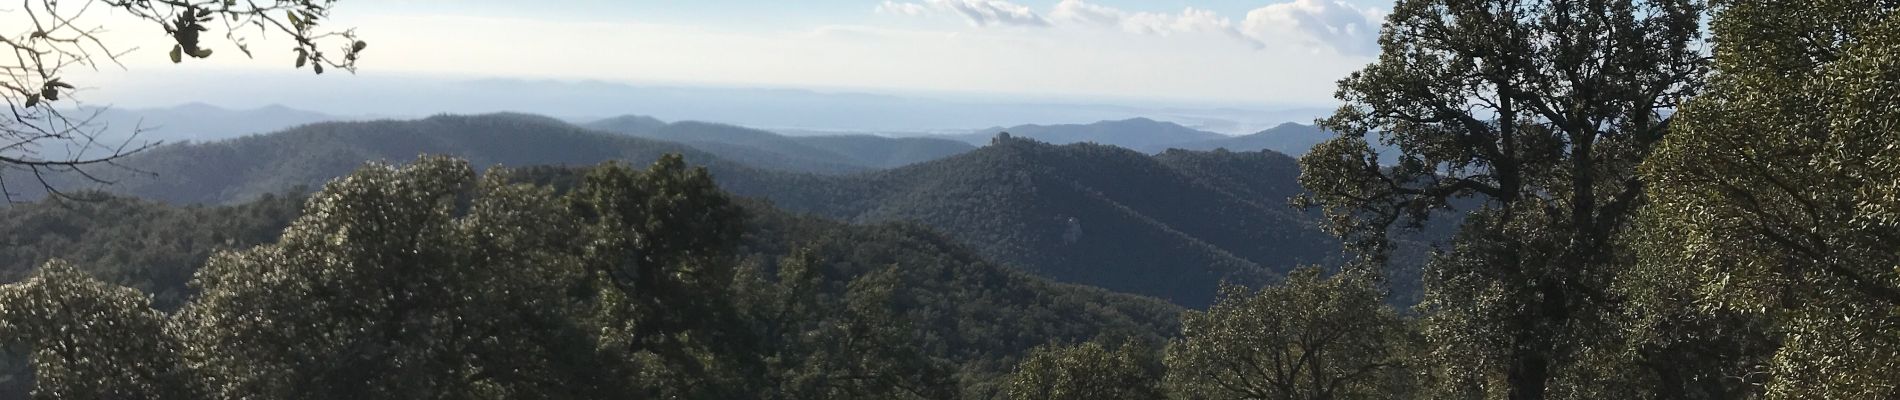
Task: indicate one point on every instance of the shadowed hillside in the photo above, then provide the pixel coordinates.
(1171, 226)
(828, 154)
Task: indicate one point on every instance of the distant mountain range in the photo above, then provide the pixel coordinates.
(1137, 133)
(201, 122)
(133, 128)
(830, 154)
(1288, 138)
(837, 109)
(1171, 225)
(835, 152)
(1153, 136)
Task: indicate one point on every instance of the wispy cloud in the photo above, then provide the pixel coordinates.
(1190, 20)
(977, 12)
(1316, 25)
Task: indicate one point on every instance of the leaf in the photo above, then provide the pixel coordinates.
(319, 68)
(56, 83)
(201, 53)
(32, 100)
(302, 58)
(178, 54)
(358, 47)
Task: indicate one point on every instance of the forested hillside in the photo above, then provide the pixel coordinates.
(975, 317)
(239, 170)
(1094, 214)
(1616, 199)
(1171, 226)
(826, 154)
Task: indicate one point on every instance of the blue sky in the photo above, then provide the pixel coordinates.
(1212, 51)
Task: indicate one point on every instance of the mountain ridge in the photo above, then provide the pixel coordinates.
(1169, 226)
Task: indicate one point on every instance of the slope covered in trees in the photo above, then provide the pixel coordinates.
(1171, 226)
(828, 154)
(887, 152)
(972, 316)
(238, 170)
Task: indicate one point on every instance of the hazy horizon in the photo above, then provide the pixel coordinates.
(1237, 65)
(775, 108)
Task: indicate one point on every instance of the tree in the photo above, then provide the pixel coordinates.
(386, 289)
(90, 340)
(49, 135)
(1087, 371)
(1311, 337)
(657, 244)
(1779, 195)
(1539, 109)
(822, 344)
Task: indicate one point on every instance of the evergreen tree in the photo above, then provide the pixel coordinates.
(1088, 371)
(1778, 198)
(1311, 337)
(656, 246)
(90, 340)
(387, 288)
(1541, 110)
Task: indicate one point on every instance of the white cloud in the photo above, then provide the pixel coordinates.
(977, 12)
(911, 9)
(1190, 20)
(1312, 25)
(1342, 27)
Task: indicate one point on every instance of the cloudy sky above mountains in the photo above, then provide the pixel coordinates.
(1216, 51)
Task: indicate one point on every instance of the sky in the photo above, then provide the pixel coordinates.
(1188, 51)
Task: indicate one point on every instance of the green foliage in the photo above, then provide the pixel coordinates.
(1778, 198)
(1541, 111)
(854, 346)
(91, 340)
(1088, 371)
(385, 290)
(145, 245)
(1099, 215)
(1170, 226)
(1312, 337)
(656, 243)
(591, 288)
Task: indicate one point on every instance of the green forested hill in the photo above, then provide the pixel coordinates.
(757, 147)
(143, 244)
(1171, 226)
(238, 170)
(827, 154)
(979, 315)
(887, 152)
